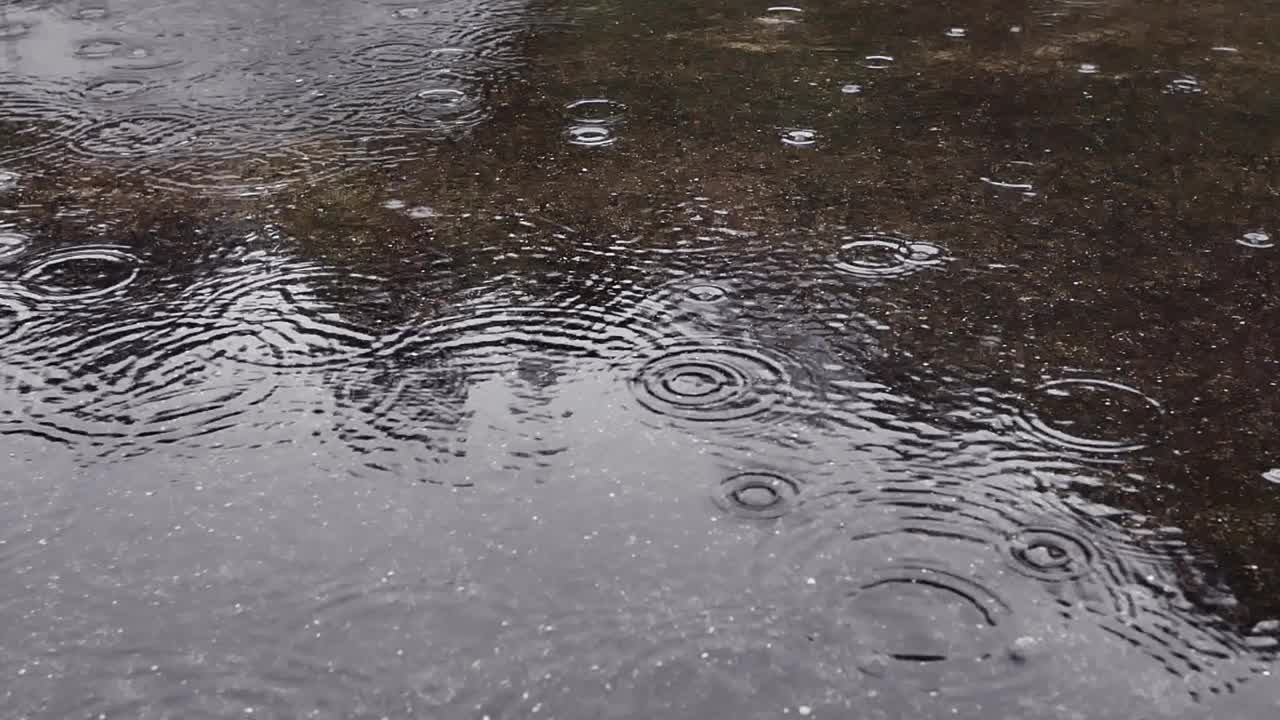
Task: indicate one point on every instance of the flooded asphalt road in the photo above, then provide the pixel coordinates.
(634, 359)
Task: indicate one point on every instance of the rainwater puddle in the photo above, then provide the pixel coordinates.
(480, 358)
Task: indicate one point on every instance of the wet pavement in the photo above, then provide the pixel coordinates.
(634, 359)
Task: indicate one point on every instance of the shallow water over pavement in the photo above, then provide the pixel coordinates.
(635, 359)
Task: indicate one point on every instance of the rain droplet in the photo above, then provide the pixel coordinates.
(90, 13)
(878, 62)
(706, 293)
(757, 495)
(710, 383)
(782, 14)
(12, 243)
(1182, 84)
(799, 137)
(595, 111)
(1272, 476)
(1256, 239)
(98, 49)
(851, 89)
(1051, 554)
(591, 136)
(957, 33)
(8, 180)
(878, 255)
(421, 212)
(1088, 69)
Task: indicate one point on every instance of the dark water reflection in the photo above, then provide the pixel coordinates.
(625, 360)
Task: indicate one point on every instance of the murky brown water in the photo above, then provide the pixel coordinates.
(633, 359)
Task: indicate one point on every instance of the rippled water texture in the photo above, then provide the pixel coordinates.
(486, 359)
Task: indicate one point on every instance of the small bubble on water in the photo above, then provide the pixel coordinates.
(1256, 239)
(1088, 69)
(393, 204)
(421, 212)
(851, 89)
(957, 33)
(877, 62)
(799, 137)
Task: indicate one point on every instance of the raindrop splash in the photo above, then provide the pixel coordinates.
(799, 137)
(757, 495)
(590, 136)
(876, 255)
(1256, 239)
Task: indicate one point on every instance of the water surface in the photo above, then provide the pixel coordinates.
(634, 359)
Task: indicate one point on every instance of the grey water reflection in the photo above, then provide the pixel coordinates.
(634, 359)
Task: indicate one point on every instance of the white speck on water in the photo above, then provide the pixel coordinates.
(804, 710)
(393, 204)
(851, 89)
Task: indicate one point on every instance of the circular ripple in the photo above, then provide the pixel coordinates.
(799, 137)
(1013, 176)
(91, 13)
(14, 313)
(109, 89)
(875, 255)
(930, 627)
(1088, 69)
(406, 53)
(595, 111)
(1256, 239)
(14, 30)
(711, 383)
(101, 48)
(12, 244)
(136, 136)
(292, 315)
(757, 495)
(782, 14)
(590, 136)
(82, 273)
(1051, 554)
(878, 62)
(706, 293)
(1182, 84)
(1095, 416)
